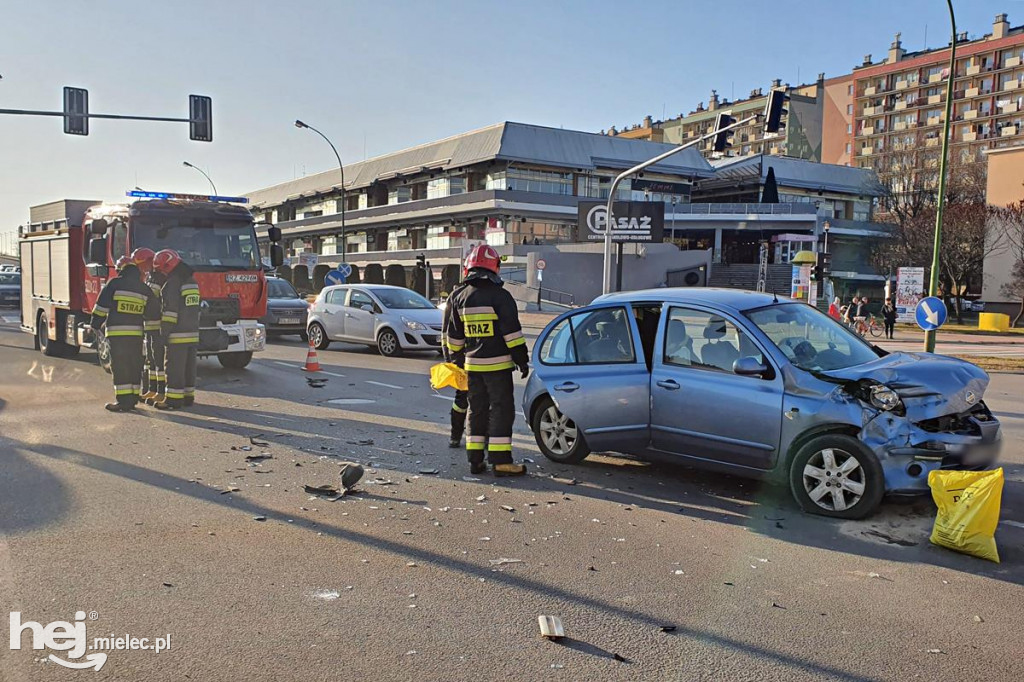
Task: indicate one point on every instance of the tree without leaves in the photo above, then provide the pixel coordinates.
(1009, 222)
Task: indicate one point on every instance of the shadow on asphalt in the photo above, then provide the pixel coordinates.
(208, 495)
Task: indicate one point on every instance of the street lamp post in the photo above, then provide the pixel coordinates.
(189, 165)
(341, 168)
(825, 227)
(933, 280)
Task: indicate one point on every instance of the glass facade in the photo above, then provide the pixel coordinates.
(523, 180)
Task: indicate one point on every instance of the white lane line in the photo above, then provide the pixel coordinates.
(444, 397)
(351, 401)
(11, 320)
(379, 383)
(333, 374)
(1016, 524)
(286, 364)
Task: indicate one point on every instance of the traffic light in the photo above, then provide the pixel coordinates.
(774, 110)
(76, 111)
(200, 118)
(817, 274)
(421, 261)
(825, 263)
(721, 141)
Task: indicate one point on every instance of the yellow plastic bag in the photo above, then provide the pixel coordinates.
(447, 374)
(968, 504)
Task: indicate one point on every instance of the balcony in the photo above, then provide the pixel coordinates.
(867, 130)
(900, 106)
(972, 92)
(934, 99)
(1011, 62)
(869, 111)
(969, 137)
(970, 114)
(868, 92)
(1010, 108)
(931, 142)
(899, 125)
(902, 85)
(1007, 131)
(1011, 85)
(973, 70)
(866, 151)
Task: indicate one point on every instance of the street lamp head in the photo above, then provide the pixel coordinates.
(826, 226)
(300, 124)
(187, 164)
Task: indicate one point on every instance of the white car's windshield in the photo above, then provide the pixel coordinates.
(401, 299)
(810, 339)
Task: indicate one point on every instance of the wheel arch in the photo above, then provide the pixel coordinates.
(534, 405)
(810, 434)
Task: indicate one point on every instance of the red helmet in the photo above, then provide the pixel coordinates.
(165, 261)
(121, 263)
(143, 258)
(484, 256)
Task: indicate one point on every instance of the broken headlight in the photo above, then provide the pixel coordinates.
(883, 397)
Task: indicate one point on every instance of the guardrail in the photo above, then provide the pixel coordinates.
(762, 209)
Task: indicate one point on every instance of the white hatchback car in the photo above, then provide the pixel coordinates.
(391, 318)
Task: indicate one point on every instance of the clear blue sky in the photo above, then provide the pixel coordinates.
(380, 76)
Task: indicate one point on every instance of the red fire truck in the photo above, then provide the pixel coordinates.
(69, 248)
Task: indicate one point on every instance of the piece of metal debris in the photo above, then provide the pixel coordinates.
(350, 475)
(259, 518)
(259, 457)
(667, 628)
(508, 508)
(255, 440)
(503, 560)
(429, 472)
(320, 489)
(551, 627)
(566, 481)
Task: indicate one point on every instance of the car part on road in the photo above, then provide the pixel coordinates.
(387, 343)
(551, 627)
(835, 475)
(557, 435)
(317, 336)
(235, 360)
(350, 475)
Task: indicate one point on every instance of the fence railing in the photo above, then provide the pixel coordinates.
(792, 208)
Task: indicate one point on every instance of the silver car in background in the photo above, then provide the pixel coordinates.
(393, 319)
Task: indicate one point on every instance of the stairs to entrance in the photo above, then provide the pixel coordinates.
(744, 276)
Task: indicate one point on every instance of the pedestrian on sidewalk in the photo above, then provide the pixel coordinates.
(485, 333)
(833, 309)
(889, 317)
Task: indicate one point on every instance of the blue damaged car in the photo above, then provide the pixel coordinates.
(754, 385)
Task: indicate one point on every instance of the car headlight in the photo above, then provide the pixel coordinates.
(884, 398)
(414, 325)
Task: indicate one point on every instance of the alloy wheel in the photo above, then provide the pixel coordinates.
(834, 479)
(388, 343)
(558, 431)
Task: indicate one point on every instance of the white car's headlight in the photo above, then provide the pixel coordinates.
(884, 398)
(414, 325)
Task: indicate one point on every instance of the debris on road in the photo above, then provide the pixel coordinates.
(229, 489)
(481, 498)
(350, 475)
(168, 585)
(326, 595)
(619, 658)
(313, 382)
(261, 456)
(778, 606)
(259, 518)
(978, 619)
(255, 440)
(934, 651)
(503, 561)
(328, 490)
(889, 538)
(470, 479)
(667, 628)
(429, 472)
(565, 481)
(508, 508)
(551, 627)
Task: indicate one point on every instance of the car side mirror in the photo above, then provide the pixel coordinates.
(98, 251)
(367, 307)
(749, 367)
(276, 255)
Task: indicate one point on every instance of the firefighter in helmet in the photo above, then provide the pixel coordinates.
(461, 404)
(123, 309)
(153, 379)
(483, 332)
(179, 327)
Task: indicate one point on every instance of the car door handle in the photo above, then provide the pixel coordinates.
(348, 315)
(670, 384)
(568, 387)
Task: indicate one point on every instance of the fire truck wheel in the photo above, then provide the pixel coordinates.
(51, 349)
(238, 360)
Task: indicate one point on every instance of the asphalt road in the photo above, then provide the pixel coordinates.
(147, 521)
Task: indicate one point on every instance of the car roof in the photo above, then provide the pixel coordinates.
(737, 299)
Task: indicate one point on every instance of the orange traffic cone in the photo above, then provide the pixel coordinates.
(312, 362)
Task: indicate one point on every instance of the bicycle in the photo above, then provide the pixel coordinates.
(868, 325)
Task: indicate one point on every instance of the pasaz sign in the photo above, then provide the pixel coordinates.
(635, 221)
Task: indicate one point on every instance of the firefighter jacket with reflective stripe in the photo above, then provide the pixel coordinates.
(125, 305)
(156, 282)
(450, 355)
(483, 327)
(179, 322)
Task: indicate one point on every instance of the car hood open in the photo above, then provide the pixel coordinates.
(930, 385)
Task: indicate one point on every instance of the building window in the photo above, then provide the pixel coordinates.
(526, 180)
(312, 214)
(849, 110)
(849, 89)
(849, 147)
(399, 195)
(445, 187)
(849, 128)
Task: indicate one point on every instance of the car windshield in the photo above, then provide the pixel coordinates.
(225, 246)
(402, 299)
(810, 339)
(10, 278)
(278, 288)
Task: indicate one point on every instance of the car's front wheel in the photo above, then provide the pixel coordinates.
(317, 336)
(835, 475)
(557, 436)
(387, 344)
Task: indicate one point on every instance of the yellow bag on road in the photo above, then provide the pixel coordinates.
(968, 503)
(448, 374)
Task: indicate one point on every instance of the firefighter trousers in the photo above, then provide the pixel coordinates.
(492, 411)
(154, 379)
(181, 374)
(459, 408)
(126, 366)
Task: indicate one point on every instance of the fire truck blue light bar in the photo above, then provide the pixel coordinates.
(142, 194)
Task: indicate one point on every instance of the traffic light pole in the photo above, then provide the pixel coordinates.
(933, 280)
(30, 112)
(609, 218)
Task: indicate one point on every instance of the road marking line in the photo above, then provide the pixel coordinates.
(351, 401)
(333, 374)
(11, 320)
(444, 397)
(378, 383)
(285, 364)
(1016, 524)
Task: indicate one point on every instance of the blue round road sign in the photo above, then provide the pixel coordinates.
(336, 276)
(345, 269)
(931, 313)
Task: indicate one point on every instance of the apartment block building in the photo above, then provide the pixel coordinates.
(895, 107)
(802, 138)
